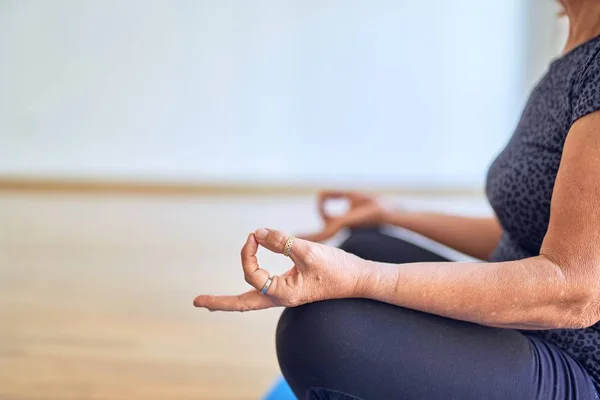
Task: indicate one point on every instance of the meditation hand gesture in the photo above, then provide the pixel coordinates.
(363, 210)
(319, 273)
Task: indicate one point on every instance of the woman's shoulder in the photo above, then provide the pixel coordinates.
(578, 60)
(589, 58)
(585, 91)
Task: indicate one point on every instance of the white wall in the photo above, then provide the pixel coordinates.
(545, 37)
(382, 92)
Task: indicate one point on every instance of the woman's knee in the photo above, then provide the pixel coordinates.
(317, 342)
(309, 342)
(301, 331)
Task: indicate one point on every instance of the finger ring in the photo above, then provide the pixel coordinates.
(288, 246)
(267, 285)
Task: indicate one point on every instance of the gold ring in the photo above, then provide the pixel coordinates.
(288, 246)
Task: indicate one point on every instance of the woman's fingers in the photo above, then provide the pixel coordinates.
(324, 197)
(278, 291)
(328, 231)
(358, 216)
(253, 274)
(361, 215)
(248, 301)
(275, 241)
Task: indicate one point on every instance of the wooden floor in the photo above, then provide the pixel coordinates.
(96, 296)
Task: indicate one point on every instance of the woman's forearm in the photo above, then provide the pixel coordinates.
(477, 237)
(528, 294)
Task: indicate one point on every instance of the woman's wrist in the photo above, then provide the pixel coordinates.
(392, 216)
(375, 280)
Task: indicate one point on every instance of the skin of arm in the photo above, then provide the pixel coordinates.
(476, 237)
(560, 288)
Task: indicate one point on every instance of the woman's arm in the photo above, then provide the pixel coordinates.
(528, 294)
(476, 237)
(560, 288)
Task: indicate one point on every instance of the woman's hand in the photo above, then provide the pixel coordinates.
(320, 273)
(363, 210)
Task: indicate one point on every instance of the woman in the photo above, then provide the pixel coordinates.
(401, 322)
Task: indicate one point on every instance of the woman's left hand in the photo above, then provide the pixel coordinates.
(320, 273)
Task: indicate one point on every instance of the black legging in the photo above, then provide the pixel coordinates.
(364, 349)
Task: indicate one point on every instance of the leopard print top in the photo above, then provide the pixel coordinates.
(521, 179)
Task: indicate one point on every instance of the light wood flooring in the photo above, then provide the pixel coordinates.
(96, 295)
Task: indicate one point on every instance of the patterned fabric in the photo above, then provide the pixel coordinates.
(520, 181)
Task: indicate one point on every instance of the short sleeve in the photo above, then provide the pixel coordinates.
(586, 93)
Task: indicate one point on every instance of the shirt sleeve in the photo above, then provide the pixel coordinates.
(586, 93)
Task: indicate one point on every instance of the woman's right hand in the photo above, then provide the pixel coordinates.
(363, 210)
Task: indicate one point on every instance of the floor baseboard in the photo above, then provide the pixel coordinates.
(204, 189)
